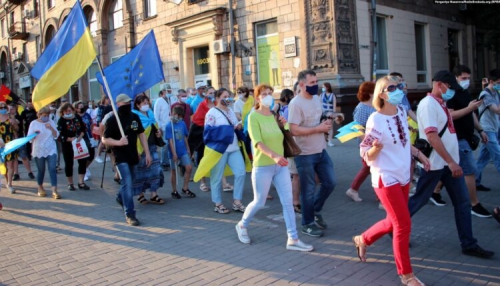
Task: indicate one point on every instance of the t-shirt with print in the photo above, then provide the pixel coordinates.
(180, 133)
(393, 163)
(265, 129)
(217, 117)
(432, 116)
(489, 119)
(306, 112)
(132, 127)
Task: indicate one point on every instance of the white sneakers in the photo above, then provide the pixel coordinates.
(98, 159)
(242, 233)
(353, 195)
(330, 143)
(87, 175)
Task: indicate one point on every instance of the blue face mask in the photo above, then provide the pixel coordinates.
(448, 94)
(395, 97)
(3, 111)
(211, 98)
(312, 90)
(496, 86)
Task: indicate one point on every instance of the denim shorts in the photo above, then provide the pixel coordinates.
(184, 161)
(467, 161)
(22, 152)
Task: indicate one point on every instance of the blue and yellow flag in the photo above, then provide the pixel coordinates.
(65, 60)
(350, 131)
(136, 71)
(15, 144)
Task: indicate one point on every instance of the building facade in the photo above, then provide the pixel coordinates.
(273, 41)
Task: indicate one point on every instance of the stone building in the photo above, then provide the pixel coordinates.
(273, 41)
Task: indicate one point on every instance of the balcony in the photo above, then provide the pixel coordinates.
(16, 2)
(17, 31)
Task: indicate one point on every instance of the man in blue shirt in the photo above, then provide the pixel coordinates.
(200, 96)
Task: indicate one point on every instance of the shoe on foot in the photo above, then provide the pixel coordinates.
(478, 252)
(99, 160)
(298, 245)
(41, 192)
(132, 220)
(56, 195)
(318, 220)
(482, 188)
(354, 195)
(227, 188)
(16, 177)
(30, 174)
(242, 233)
(411, 281)
(479, 211)
(108, 159)
(239, 208)
(11, 189)
(330, 143)
(437, 200)
(312, 230)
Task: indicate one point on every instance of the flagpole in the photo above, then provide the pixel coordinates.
(173, 141)
(111, 100)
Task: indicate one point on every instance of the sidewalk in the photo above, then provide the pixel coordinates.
(83, 239)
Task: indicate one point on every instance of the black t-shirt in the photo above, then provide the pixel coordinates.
(28, 116)
(132, 127)
(464, 126)
(20, 130)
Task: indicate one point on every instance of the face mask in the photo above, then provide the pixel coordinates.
(465, 83)
(184, 99)
(44, 119)
(145, 108)
(312, 90)
(53, 108)
(175, 119)
(448, 94)
(90, 105)
(323, 89)
(3, 111)
(227, 101)
(395, 97)
(267, 101)
(211, 98)
(68, 116)
(496, 86)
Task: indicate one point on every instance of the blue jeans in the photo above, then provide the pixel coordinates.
(490, 150)
(51, 164)
(237, 165)
(467, 161)
(457, 190)
(313, 201)
(261, 182)
(126, 194)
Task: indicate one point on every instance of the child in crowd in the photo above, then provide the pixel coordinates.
(179, 151)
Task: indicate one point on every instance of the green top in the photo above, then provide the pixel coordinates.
(264, 129)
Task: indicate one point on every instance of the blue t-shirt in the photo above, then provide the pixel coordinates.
(181, 132)
(196, 101)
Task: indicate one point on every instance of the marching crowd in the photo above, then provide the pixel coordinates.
(206, 128)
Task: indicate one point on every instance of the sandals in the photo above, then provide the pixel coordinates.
(411, 281)
(83, 186)
(297, 208)
(239, 208)
(56, 195)
(175, 195)
(204, 187)
(141, 199)
(221, 209)
(188, 193)
(496, 214)
(157, 200)
(41, 192)
(71, 187)
(360, 247)
(227, 188)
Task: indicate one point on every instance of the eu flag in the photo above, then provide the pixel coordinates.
(136, 71)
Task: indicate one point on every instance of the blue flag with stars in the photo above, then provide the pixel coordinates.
(136, 71)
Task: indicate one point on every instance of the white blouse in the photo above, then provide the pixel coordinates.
(44, 144)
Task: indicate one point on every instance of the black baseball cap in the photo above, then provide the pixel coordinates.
(447, 77)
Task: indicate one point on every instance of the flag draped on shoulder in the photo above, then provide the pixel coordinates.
(65, 60)
(136, 71)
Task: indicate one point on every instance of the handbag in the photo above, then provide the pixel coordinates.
(290, 147)
(473, 141)
(424, 146)
(158, 141)
(80, 150)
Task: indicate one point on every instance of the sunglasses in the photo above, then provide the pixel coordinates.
(393, 87)
(3, 107)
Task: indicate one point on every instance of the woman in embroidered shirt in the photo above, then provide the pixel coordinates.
(387, 150)
(217, 123)
(361, 113)
(44, 150)
(329, 104)
(71, 127)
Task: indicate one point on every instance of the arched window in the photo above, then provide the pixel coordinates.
(116, 15)
(3, 68)
(51, 3)
(91, 20)
(49, 35)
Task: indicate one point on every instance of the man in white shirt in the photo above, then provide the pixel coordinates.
(433, 117)
(162, 116)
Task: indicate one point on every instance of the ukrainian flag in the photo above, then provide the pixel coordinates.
(350, 131)
(65, 60)
(247, 108)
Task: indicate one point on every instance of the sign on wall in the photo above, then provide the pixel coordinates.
(25, 82)
(269, 61)
(290, 47)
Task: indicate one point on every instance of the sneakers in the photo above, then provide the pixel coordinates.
(330, 143)
(478, 252)
(11, 189)
(479, 211)
(437, 200)
(31, 176)
(298, 245)
(312, 230)
(482, 188)
(242, 233)
(87, 175)
(353, 194)
(16, 177)
(99, 160)
(132, 220)
(318, 220)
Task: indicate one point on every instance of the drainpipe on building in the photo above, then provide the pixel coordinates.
(233, 57)
(373, 10)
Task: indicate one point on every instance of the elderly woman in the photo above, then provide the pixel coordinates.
(387, 150)
(71, 127)
(44, 150)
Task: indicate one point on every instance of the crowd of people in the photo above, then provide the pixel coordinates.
(207, 132)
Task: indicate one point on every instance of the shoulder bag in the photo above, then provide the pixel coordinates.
(424, 146)
(290, 147)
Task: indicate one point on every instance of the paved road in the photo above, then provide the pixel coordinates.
(83, 240)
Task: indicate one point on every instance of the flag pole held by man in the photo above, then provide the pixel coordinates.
(66, 58)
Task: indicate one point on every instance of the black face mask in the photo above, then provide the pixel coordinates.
(125, 109)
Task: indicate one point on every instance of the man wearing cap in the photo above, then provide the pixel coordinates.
(162, 116)
(433, 116)
(125, 151)
(200, 95)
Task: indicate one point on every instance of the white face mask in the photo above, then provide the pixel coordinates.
(183, 99)
(465, 83)
(267, 101)
(145, 108)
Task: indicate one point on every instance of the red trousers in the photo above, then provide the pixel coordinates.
(398, 221)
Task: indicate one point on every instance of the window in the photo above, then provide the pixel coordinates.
(94, 85)
(150, 8)
(116, 15)
(49, 35)
(421, 57)
(51, 3)
(268, 54)
(37, 46)
(453, 48)
(201, 58)
(91, 18)
(35, 8)
(382, 58)
(2, 26)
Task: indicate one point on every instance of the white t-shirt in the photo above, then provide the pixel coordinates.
(432, 116)
(393, 163)
(162, 113)
(307, 113)
(214, 117)
(238, 106)
(43, 144)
